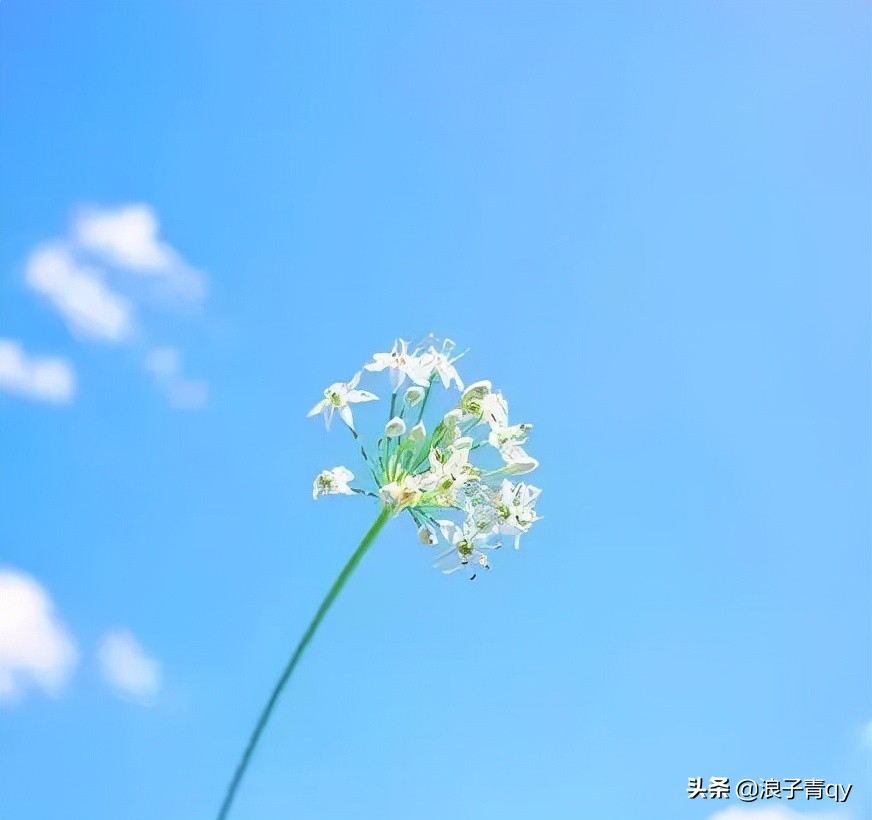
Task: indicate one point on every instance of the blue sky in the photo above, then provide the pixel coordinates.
(650, 224)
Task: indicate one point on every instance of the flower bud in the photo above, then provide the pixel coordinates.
(395, 427)
(426, 536)
(471, 398)
(418, 433)
(477, 390)
(452, 417)
(414, 394)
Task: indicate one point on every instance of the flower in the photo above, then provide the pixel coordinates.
(401, 364)
(333, 482)
(448, 470)
(517, 461)
(514, 506)
(495, 410)
(443, 366)
(402, 494)
(507, 437)
(429, 475)
(430, 469)
(467, 545)
(337, 397)
(508, 441)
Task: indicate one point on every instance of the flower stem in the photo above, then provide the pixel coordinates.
(387, 439)
(426, 396)
(334, 591)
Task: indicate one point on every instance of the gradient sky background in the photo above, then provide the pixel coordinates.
(650, 222)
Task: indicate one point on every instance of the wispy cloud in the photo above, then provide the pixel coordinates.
(45, 378)
(128, 237)
(79, 275)
(165, 365)
(79, 294)
(35, 648)
(127, 667)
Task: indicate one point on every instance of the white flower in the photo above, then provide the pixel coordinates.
(479, 400)
(402, 364)
(448, 470)
(333, 482)
(501, 437)
(443, 366)
(398, 495)
(477, 500)
(337, 397)
(467, 546)
(517, 461)
(395, 427)
(430, 467)
(508, 441)
(514, 507)
(495, 410)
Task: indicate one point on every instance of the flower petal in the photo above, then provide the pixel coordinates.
(360, 395)
(345, 414)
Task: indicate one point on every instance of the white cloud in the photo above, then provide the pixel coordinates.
(866, 734)
(34, 377)
(128, 237)
(35, 648)
(79, 294)
(72, 274)
(165, 364)
(127, 667)
(774, 813)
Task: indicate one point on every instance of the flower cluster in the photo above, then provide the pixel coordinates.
(429, 468)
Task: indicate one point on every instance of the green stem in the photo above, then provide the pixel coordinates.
(338, 584)
(369, 463)
(387, 440)
(426, 396)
